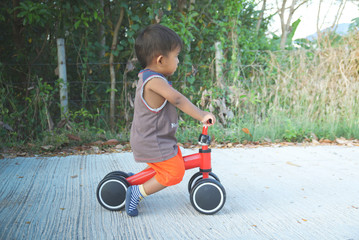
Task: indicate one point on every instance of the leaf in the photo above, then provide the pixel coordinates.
(246, 131)
(97, 143)
(342, 140)
(191, 79)
(77, 24)
(294, 28)
(292, 164)
(6, 126)
(73, 137)
(109, 90)
(325, 141)
(47, 147)
(115, 52)
(111, 142)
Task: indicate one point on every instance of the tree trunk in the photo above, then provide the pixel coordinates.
(219, 64)
(235, 60)
(16, 27)
(102, 36)
(112, 70)
(338, 15)
(286, 24)
(260, 19)
(181, 5)
(319, 34)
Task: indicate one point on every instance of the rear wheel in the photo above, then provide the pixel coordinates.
(117, 173)
(111, 192)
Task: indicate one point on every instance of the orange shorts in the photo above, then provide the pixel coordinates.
(169, 172)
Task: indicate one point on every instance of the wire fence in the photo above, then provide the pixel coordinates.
(92, 73)
(267, 86)
(89, 83)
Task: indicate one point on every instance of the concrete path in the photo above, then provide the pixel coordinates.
(272, 193)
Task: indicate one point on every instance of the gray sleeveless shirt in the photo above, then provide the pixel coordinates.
(153, 130)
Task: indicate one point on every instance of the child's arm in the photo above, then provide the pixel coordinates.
(162, 88)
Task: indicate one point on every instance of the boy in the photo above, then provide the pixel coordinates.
(155, 120)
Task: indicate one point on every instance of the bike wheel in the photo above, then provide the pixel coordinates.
(198, 176)
(208, 196)
(111, 192)
(117, 173)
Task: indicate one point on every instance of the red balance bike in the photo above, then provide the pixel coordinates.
(207, 194)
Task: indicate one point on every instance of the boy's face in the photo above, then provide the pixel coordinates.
(170, 62)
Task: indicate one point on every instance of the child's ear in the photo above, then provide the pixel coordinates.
(159, 59)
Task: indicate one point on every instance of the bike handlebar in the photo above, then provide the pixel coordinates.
(205, 126)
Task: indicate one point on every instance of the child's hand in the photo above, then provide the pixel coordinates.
(209, 119)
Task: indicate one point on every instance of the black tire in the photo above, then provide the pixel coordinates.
(208, 196)
(111, 192)
(117, 173)
(198, 176)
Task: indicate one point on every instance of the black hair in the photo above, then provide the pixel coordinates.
(155, 40)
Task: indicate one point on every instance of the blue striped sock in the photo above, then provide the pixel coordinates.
(133, 197)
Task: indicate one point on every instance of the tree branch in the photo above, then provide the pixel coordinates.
(112, 69)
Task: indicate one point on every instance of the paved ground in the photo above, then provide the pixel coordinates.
(272, 193)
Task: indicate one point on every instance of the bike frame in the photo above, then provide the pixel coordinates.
(201, 160)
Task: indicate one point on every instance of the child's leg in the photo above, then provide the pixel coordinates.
(137, 192)
(152, 186)
(133, 196)
(168, 173)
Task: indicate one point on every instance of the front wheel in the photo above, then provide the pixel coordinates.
(208, 196)
(198, 176)
(111, 192)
